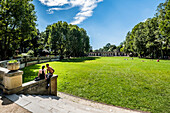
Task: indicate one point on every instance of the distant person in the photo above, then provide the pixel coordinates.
(50, 72)
(41, 74)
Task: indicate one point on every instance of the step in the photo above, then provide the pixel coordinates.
(54, 104)
(27, 104)
(49, 104)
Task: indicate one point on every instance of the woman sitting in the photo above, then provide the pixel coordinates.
(41, 74)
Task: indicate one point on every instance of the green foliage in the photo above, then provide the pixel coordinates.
(30, 52)
(17, 22)
(18, 32)
(13, 61)
(112, 80)
(67, 40)
(107, 48)
(151, 38)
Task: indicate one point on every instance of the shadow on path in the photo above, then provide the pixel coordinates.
(4, 101)
(47, 97)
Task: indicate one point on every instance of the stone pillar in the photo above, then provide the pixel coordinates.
(2, 74)
(13, 80)
(53, 85)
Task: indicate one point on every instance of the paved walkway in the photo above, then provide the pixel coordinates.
(7, 106)
(62, 104)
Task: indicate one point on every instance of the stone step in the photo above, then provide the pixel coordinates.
(54, 104)
(50, 104)
(27, 104)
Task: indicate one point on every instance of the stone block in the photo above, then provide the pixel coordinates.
(35, 87)
(53, 85)
(1, 74)
(3, 71)
(13, 80)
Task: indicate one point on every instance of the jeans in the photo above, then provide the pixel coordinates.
(48, 79)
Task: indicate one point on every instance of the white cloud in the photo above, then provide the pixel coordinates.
(86, 7)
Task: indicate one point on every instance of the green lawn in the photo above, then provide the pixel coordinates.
(128, 83)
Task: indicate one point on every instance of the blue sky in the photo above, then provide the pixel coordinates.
(106, 21)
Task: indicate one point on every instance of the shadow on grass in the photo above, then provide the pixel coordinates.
(30, 73)
(81, 59)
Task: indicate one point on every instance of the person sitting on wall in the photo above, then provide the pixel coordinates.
(41, 74)
(50, 72)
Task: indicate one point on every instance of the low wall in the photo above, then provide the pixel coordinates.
(11, 83)
(36, 88)
(24, 62)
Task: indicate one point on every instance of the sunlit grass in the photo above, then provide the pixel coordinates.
(112, 80)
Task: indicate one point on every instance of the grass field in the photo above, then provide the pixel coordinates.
(133, 84)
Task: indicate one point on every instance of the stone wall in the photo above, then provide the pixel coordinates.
(11, 83)
(39, 87)
(27, 61)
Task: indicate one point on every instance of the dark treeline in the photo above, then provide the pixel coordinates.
(18, 32)
(152, 37)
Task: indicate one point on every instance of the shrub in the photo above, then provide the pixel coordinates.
(13, 61)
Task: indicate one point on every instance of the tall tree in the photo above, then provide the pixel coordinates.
(67, 40)
(17, 21)
(164, 24)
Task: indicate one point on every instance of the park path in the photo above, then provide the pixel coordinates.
(62, 103)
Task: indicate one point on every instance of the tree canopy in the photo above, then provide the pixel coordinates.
(151, 38)
(66, 40)
(17, 24)
(18, 32)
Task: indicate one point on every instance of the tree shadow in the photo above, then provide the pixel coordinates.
(48, 97)
(30, 73)
(5, 101)
(81, 59)
(10, 99)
